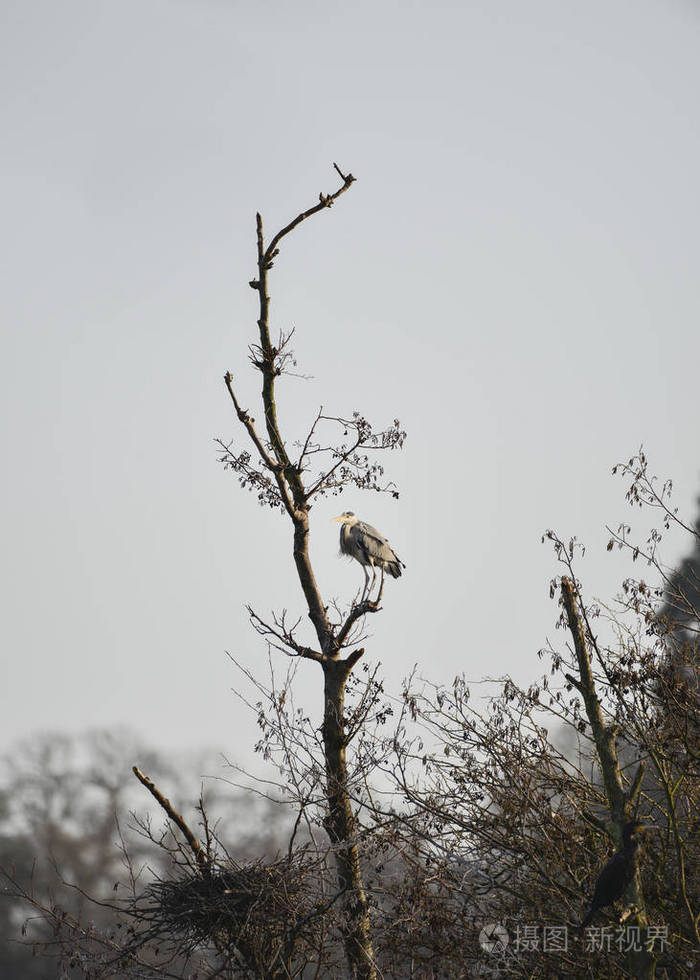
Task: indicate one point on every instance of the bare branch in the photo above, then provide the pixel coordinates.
(178, 820)
(285, 637)
(326, 201)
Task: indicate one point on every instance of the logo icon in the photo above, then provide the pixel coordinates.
(494, 938)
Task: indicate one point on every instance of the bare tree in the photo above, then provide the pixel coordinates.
(273, 918)
(290, 481)
(512, 799)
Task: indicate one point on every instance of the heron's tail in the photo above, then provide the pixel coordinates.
(394, 568)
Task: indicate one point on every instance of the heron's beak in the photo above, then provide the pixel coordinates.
(341, 517)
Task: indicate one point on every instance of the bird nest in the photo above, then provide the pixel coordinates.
(250, 904)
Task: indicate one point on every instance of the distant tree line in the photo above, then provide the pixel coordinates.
(74, 825)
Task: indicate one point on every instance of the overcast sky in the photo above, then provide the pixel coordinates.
(513, 276)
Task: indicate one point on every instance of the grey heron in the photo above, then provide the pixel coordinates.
(365, 544)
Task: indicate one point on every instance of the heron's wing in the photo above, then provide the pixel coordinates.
(375, 544)
(371, 532)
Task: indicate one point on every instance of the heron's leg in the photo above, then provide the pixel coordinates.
(364, 591)
(374, 577)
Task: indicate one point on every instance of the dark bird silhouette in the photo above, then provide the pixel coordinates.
(615, 878)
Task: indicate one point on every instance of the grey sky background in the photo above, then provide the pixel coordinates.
(514, 276)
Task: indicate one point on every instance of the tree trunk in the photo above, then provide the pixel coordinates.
(641, 963)
(341, 826)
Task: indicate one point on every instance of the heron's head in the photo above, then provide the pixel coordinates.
(347, 518)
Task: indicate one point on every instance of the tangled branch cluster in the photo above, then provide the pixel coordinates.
(336, 466)
(257, 909)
